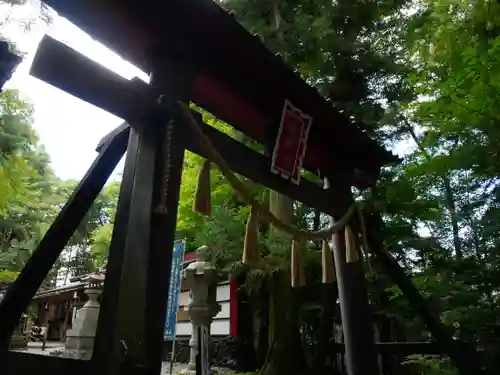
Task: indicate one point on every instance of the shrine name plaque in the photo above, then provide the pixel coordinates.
(291, 143)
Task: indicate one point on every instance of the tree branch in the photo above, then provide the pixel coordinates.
(449, 196)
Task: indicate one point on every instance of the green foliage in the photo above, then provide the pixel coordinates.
(15, 173)
(224, 232)
(430, 365)
(27, 199)
(7, 277)
(31, 197)
(423, 76)
(101, 239)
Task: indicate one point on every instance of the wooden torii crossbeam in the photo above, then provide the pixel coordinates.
(8, 63)
(231, 73)
(194, 51)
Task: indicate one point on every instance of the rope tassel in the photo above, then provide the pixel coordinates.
(188, 119)
(298, 279)
(251, 242)
(351, 252)
(203, 196)
(329, 276)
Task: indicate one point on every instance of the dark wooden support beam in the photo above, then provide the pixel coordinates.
(160, 249)
(130, 328)
(8, 63)
(357, 326)
(108, 137)
(21, 292)
(168, 166)
(74, 73)
(465, 357)
(120, 336)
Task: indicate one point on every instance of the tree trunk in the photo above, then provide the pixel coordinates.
(285, 355)
(282, 207)
(317, 224)
(246, 361)
(477, 243)
(317, 219)
(324, 349)
(262, 342)
(329, 296)
(450, 202)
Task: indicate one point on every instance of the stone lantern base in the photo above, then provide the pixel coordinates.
(19, 340)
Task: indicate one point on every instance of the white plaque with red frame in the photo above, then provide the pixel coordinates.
(291, 143)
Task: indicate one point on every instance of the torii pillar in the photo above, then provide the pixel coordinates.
(357, 325)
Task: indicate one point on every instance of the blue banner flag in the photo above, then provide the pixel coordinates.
(174, 291)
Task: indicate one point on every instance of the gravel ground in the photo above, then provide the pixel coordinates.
(35, 348)
(178, 367)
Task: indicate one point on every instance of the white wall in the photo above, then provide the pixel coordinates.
(223, 292)
(220, 325)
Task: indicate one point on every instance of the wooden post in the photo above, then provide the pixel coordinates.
(8, 63)
(134, 302)
(360, 354)
(161, 244)
(129, 333)
(174, 81)
(161, 247)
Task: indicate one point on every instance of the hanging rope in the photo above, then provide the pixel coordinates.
(161, 208)
(263, 213)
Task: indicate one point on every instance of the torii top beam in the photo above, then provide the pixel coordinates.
(237, 78)
(8, 63)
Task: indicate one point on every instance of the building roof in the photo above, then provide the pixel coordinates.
(238, 80)
(79, 282)
(71, 287)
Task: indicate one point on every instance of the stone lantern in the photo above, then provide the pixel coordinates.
(80, 338)
(201, 279)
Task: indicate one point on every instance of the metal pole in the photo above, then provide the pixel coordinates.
(172, 356)
(198, 355)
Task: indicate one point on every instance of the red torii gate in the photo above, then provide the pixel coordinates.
(196, 52)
